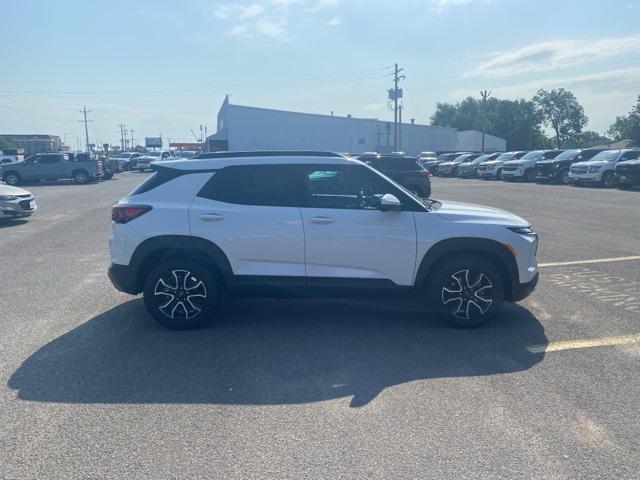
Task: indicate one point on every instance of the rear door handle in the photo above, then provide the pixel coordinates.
(211, 217)
(321, 220)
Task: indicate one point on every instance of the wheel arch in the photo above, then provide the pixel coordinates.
(495, 252)
(152, 250)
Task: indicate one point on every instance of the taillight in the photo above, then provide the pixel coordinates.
(126, 213)
(425, 172)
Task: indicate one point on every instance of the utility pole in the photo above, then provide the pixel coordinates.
(84, 111)
(122, 125)
(395, 96)
(400, 128)
(132, 140)
(484, 94)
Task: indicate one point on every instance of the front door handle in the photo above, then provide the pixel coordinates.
(321, 220)
(211, 217)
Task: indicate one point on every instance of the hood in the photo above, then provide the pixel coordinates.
(469, 213)
(9, 190)
(635, 162)
(547, 162)
(492, 162)
(591, 163)
(516, 163)
(448, 164)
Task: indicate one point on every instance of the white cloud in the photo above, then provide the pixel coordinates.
(440, 5)
(271, 18)
(553, 55)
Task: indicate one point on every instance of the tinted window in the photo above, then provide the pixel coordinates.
(568, 155)
(48, 159)
(393, 163)
(345, 187)
(268, 185)
(630, 155)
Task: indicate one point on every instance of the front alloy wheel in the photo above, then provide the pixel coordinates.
(466, 291)
(467, 295)
(180, 294)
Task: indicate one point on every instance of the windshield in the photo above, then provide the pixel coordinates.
(504, 157)
(460, 158)
(568, 154)
(606, 156)
(481, 158)
(532, 155)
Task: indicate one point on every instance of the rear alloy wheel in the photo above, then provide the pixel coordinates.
(564, 177)
(181, 294)
(466, 292)
(80, 177)
(499, 174)
(608, 179)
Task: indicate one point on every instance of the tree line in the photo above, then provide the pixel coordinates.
(521, 122)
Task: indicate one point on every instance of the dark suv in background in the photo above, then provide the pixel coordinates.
(404, 170)
(557, 169)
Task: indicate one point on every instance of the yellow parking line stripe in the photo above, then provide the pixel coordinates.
(596, 342)
(595, 260)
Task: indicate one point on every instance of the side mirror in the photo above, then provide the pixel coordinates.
(390, 202)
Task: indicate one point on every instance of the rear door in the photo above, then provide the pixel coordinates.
(347, 236)
(251, 213)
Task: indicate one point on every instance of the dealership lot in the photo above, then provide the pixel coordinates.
(91, 387)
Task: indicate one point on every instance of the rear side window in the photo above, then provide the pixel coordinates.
(265, 185)
(155, 180)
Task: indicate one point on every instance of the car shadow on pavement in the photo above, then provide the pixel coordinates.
(12, 222)
(270, 352)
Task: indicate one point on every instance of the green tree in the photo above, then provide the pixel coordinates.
(561, 111)
(4, 143)
(627, 126)
(587, 139)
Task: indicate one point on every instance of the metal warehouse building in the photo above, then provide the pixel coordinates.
(243, 128)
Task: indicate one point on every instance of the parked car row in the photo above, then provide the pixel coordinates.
(594, 166)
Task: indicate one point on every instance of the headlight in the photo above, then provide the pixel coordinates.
(523, 230)
(7, 197)
(594, 169)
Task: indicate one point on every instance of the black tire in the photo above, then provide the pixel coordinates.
(80, 177)
(107, 176)
(499, 174)
(564, 177)
(12, 178)
(466, 291)
(529, 175)
(608, 179)
(166, 295)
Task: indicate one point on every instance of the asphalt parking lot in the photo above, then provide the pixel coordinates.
(92, 388)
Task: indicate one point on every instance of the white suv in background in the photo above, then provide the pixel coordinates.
(493, 168)
(525, 168)
(309, 224)
(600, 169)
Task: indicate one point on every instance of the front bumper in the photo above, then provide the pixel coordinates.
(547, 176)
(512, 174)
(585, 177)
(520, 291)
(20, 208)
(124, 278)
(626, 179)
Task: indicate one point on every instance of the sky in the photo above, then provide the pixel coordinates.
(165, 66)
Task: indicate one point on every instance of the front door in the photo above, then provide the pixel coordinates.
(347, 236)
(250, 213)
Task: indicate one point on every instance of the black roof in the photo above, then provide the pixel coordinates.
(269, 153)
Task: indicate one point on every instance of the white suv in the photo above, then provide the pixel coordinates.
(309, 224)
(600, 169)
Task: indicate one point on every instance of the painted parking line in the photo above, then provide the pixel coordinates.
(594, 260)
(575, 344)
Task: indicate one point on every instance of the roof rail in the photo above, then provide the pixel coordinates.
(268, 153)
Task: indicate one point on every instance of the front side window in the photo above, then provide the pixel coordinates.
(48, 159)
(266, 185)
(345, 187)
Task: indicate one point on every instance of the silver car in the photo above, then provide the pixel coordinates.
(16, 202)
